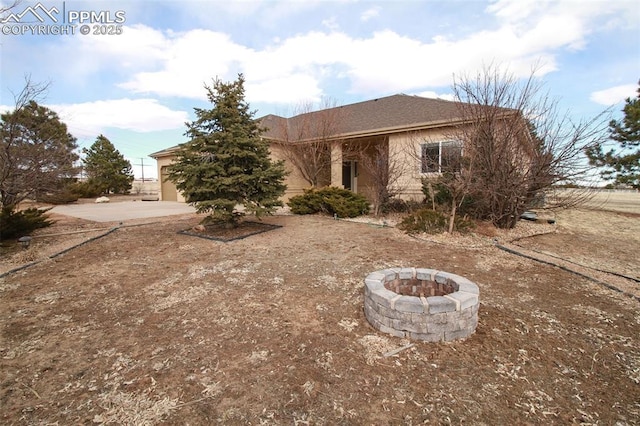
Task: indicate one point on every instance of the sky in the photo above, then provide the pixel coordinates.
(138, 83)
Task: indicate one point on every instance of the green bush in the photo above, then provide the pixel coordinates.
(85, 189)
(330, 200)
(436, 188)
(433, 188)
(308, 203)
(19, 224)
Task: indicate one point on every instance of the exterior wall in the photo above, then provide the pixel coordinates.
(168, 192)
(405, 148)
(336, 164)
(294, 181)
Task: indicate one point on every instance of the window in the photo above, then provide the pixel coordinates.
(440, 156)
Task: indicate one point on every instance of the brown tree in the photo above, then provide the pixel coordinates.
(516, 148)
(307, 138)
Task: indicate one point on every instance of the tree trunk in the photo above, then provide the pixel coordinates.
(452, 217)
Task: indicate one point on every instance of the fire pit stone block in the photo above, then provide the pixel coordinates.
(422, 304)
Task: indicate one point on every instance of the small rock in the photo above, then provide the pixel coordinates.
(199, 228)
(102, 200)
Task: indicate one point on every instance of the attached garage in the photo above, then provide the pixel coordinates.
(168, 191)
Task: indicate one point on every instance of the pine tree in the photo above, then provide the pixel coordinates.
(107, 168)
(226, 163)
(623, 164)
(36, 154)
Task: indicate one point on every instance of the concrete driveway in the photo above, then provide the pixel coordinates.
(123, 210)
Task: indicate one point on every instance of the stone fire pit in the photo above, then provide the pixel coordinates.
(422, 304)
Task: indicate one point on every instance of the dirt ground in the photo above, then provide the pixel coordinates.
(147, 326)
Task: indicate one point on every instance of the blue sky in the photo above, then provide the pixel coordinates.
(138, 88)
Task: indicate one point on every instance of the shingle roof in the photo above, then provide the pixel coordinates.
(388, 114)
(396, 112)
(165, 152)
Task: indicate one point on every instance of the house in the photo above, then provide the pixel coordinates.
(414, 134)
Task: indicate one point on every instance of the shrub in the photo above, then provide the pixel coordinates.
(463, 224)
(330, 200)
(398, 205)
(308, 203)
(24, 222)
(85, 189)
(432, 222)
(424, 220)
(394, 205)
(64, 196)
(436, 191)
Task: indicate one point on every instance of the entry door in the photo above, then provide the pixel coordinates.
(350, 175)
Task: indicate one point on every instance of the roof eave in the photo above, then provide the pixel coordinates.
(384, 130)
(165, 152)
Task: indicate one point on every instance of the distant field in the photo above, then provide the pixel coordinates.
(146, 187)
(623, 201)
(618, 201)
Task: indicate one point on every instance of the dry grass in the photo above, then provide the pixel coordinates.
(172, 329)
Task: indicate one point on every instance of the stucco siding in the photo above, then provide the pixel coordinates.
(294, 180)
(405, 150)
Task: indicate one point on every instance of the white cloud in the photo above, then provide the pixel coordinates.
(434, 95)
(382, 63)
(137, 48)
(284, 70)
(513, 11)
(370, 13)
(189, 60)
(272, 13)
(89, 119)
(614, 95)
(525, 14)
(289, 89)
(331, 23)
(289, 71)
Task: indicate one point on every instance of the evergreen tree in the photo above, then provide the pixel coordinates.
(623, 164)
(36, 154)
(106, 168)
(226, 162)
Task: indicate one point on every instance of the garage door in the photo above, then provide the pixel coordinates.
(169, 191)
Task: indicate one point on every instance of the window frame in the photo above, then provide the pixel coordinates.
(424, 161)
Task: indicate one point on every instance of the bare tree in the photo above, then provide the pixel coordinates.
(31, 91)
(517, 145)
(516, 148)
(8, 7)
(308, 137)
